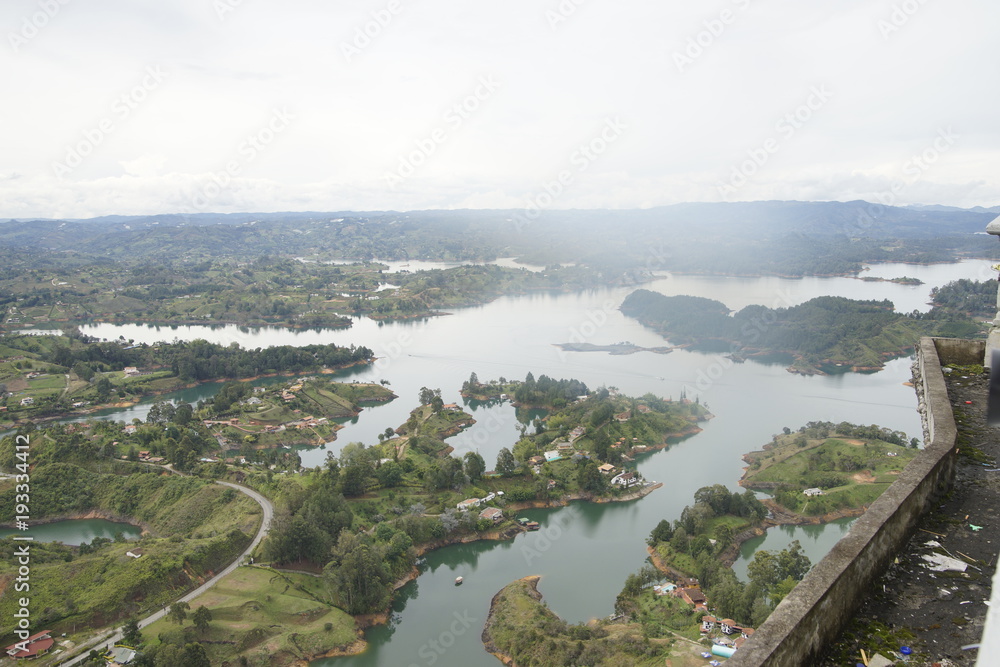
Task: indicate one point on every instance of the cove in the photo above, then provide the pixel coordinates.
(76, 531)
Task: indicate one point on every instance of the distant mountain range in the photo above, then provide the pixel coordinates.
(556, 235)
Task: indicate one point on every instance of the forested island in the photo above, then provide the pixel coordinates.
(823, 332)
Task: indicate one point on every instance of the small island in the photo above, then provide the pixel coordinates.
(827, 470)
(903, 280)
(615, 348)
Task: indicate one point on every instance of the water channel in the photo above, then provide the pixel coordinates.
(585, 551)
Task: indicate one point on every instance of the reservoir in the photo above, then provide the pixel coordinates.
(76, 531)
(584, 552)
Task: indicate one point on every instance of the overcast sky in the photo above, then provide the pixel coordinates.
(143, 106)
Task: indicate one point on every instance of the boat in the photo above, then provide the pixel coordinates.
(458, 581)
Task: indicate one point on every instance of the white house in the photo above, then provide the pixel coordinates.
(813, 492)
(27, 400)
(625, 479)
(468, 504)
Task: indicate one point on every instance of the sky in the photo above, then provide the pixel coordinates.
(184, 106)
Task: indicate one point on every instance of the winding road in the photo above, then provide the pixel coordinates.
(83, 650)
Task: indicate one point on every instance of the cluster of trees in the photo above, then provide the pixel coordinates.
(964, 297)
(199, 359)
(817, 430)
(548, 392)
(690, 533)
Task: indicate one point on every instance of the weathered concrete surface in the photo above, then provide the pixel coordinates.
(819, 607)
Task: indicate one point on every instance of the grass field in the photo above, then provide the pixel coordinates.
(264, 616)
(852, 473)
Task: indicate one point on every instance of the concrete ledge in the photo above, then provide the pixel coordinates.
(821, 605)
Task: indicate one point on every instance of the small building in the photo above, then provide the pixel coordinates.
(143, 455)
(708, 623)
(577, 433)
(131, 371)
(564, 447)
(813, 492)
(625, 479)
(728, 626)
(606, 468)
(536, 460)
(693, 596)
(130, 428)
(623, 416)
(746, 633)
(468, 504)
(32, 647)
(135, 553)
(121, 655)
(494, 514)
(27, 400)
(552, 455)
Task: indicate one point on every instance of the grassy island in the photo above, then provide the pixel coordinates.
(827, 467)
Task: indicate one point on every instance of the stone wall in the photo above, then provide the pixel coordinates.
(820, 606)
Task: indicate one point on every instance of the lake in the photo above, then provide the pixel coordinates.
(585, 552)
(76, 531)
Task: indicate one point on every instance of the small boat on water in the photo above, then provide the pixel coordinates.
(458, 581)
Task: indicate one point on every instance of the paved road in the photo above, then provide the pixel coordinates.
(265, 524)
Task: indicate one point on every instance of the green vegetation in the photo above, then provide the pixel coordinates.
(260, 615)
(971, 298)
(300, 412)
(263, 292)
(545, 392)
(852, 465)
(44, 375)
(700, 545)
(195, 528)
(522, 628)
(823, 331)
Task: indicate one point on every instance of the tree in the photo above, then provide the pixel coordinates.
(201, 618)
(178, 612)
(428, 395)
(590, 478)
(196, 656)
(475, 466)
(353, 479)
(389, 474)
(357, 574)
(662, 533)
(505, 462)
(131, 634)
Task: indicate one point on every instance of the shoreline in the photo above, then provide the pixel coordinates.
(89, 514)
(366, 621)
(487, 639)
(782, 517)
